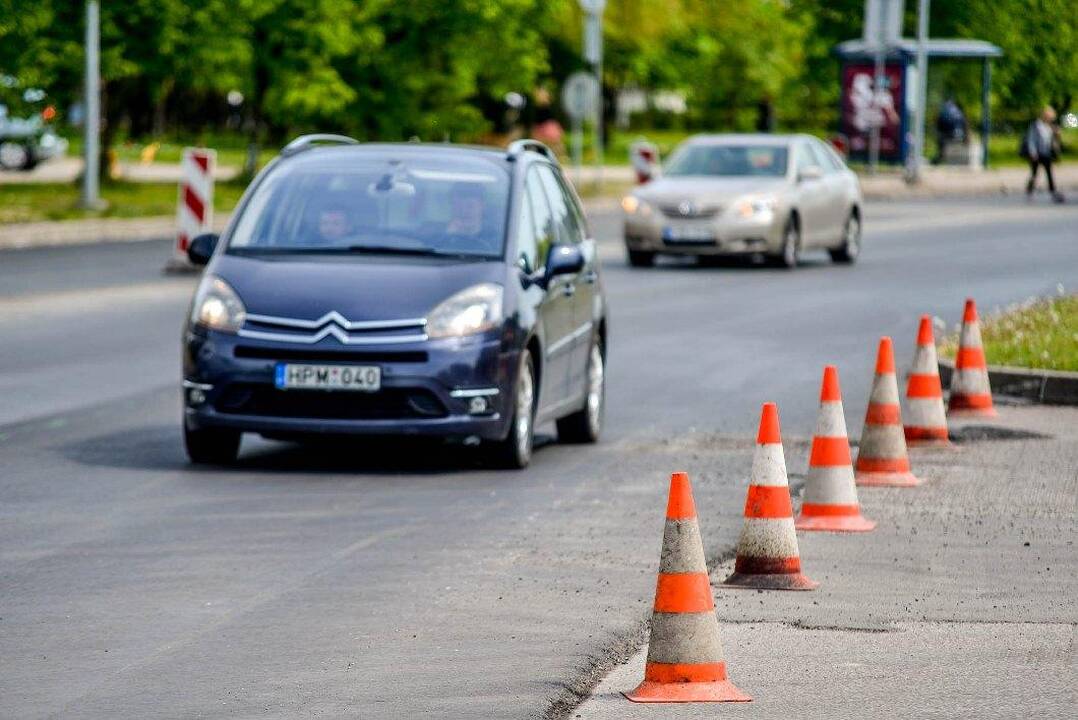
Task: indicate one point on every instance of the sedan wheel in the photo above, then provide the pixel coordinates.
(791, 245)
(851, 242)
(13, 156)
(585, 425)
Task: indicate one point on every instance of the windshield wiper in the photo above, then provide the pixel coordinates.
(393, 250)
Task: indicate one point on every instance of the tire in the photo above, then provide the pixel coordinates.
(790, 255)
(586, 424)
(641, 258)
(515, 451)
(211, 446)
(14, 156)
(851, 242)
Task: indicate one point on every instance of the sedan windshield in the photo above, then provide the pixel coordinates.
(728, 161)
(377, 205)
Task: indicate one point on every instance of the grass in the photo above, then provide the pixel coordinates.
(1036, 334)
(60, 201)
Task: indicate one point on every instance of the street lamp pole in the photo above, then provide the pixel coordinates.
(92, 108)
(922, 90)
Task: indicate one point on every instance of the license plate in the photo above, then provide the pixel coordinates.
(361, 378)
(689, 235)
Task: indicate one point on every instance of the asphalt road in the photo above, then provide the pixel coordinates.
(396, 581)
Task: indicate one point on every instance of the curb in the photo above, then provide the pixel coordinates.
(1048, 387)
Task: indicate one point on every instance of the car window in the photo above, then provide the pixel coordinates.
(727, 161)
(545, 229)
(830, 157)
(342, 204)
(567, 228)
(527, 243)
(575, 211)
(806, 157)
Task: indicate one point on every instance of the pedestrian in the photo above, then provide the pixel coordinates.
(951, 127)
(1041, 147)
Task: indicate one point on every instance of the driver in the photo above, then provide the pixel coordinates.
(334, 224)
(466, 204)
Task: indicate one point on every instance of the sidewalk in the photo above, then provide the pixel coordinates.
(960, 604)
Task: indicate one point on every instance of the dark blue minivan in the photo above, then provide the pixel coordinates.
(398, 289)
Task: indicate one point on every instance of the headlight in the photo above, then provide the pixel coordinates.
(217, 306)
(755, 207)
(472, 310)
(632, 205)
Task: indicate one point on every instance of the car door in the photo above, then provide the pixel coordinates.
(835, 205)
(577, 287)
(554, 311)
(811, 198)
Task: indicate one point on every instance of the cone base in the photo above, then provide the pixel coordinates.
(834, 523)
(982, 413)
(770, 581)
(656, 692)
(887, 479)
(931, 444)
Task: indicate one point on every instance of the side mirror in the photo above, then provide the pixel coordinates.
(201, 248)
(563, 260)
(810, 172)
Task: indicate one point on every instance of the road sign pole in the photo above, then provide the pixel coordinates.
(922, 90)
(92, 107)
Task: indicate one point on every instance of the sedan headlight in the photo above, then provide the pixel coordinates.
(632, 205)
(217, 306)
(472, 310)
(755, 207)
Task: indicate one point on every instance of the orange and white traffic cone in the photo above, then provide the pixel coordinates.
(830, 500)
(882, 458)
(767, 555)
(971, 395)
(926, 418)
(685, 660)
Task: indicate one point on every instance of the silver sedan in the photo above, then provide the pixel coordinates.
(771, 195)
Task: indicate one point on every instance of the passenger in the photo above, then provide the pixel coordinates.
(334, 224)
(466, 204)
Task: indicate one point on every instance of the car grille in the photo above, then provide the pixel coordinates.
(386, 404)
(694, 213)
(264, 353)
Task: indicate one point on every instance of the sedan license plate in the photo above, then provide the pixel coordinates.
(361, 378)
(688, 235)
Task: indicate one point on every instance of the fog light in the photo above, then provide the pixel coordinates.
(478, 405)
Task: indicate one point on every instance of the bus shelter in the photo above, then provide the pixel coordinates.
(891, 106)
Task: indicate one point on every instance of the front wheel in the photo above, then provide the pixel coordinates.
(641, 258)
(211, 446)
(585, 425)
(850, 248)
(515, 451)
(790, 254)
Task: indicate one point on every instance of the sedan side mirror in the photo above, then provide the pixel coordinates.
(810, 172)
(563, 260)
(201, 248)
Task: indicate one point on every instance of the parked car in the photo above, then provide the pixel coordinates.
(772, 195)
(26, 142)
(398, 289)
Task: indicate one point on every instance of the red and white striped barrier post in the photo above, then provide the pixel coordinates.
(194, 207)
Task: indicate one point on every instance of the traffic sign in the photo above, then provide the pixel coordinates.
(579, 95)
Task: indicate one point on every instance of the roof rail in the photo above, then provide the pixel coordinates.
(305, 142)
(518, 146)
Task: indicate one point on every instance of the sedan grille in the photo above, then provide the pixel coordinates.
(689, 211)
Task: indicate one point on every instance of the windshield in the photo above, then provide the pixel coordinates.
(377, 205)
(728, 161)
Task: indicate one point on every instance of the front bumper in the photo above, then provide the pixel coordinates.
(427, 388)
(723, 234)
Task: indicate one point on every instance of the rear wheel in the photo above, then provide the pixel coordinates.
(851, 241)
(515, 451)
(790, 254)
(585, 425)
(641, 258)
(215, 446)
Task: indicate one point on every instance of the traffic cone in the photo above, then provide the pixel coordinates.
(685, 661)
(767, 556)
(830, 501)
(971, 394)
(926, 417)
(882, 457)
